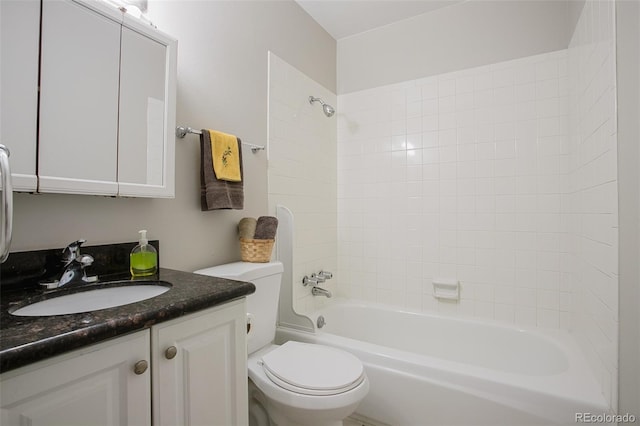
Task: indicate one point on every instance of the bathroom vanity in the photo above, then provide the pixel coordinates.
(177, 358)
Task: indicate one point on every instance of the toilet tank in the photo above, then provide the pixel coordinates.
(262, 306)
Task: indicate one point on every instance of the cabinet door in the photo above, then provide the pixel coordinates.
(80, 57)
(206, 382)
(146, 138)
(92, 386)
(19, 21)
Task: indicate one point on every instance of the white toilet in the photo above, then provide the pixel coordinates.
(296, 383)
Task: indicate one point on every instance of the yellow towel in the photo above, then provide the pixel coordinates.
(225, 156)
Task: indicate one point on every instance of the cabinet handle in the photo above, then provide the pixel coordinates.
(171, 352)
(140, 367)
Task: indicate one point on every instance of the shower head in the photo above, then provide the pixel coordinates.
(326, 108)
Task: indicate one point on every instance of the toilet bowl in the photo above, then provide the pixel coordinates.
(295, 398)
(292, 384)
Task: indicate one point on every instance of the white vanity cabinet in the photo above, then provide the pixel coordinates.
(107, 103)
(196, 375)
(93, 386)
(19, 39)
(200, 368)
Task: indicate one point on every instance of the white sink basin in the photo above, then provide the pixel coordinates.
(91, 300)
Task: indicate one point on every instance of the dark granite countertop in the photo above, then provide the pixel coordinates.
(24, 340)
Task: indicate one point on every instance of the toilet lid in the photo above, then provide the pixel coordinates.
(313, 369)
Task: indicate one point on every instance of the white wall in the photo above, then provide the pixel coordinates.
(222, 83)
(628, 70)
(591, 207)
(302, 174)
(459, 176)
(460, 36)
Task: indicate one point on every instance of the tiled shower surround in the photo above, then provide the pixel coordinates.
(461, 176)
(503, 177)
(302, 174)
(592, 193)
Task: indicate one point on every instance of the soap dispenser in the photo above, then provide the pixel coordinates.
(143, 258)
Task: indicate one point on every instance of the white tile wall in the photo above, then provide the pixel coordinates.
(591, 202)
(502, 176)
(302, 173)
(460, 176)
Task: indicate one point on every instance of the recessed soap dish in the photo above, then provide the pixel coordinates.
(446, 288)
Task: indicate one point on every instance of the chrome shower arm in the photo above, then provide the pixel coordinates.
(326, 108)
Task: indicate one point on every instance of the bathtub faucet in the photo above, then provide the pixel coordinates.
(319, 291)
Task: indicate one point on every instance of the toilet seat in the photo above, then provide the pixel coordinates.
(311, 369)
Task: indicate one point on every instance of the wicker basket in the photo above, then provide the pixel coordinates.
(256, 251)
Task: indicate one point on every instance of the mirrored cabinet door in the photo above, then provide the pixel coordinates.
(80, 57)
(19, 21)
(142, 106)
(145, 140)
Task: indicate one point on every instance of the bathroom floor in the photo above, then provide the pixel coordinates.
(356, 420)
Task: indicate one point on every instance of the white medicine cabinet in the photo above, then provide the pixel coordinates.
(20, 21)
(107, 102)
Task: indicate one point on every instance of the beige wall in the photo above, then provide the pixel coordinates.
(222, 83)
(461, 36)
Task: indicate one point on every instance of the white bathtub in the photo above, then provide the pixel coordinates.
(428, 369)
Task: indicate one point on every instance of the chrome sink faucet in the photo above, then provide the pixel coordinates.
(75, 265)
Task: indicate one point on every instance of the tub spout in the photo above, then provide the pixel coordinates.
(319, 291)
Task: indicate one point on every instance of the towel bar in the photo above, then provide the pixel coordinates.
(181, 132)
